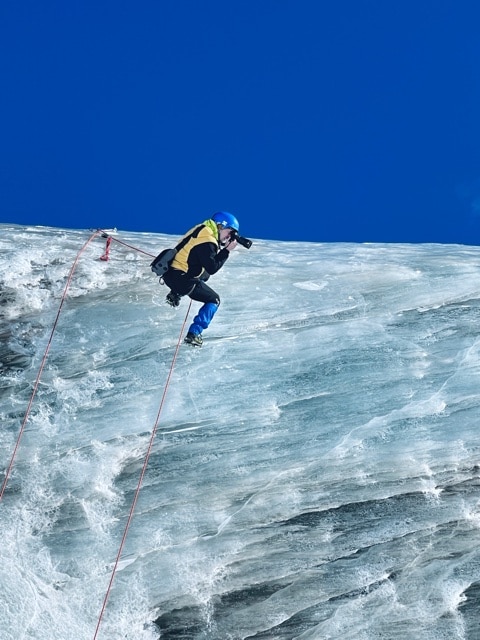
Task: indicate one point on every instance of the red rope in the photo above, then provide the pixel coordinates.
(125, 244)
(142, 474)
(105, 257)
(154, 430)
(35, 387)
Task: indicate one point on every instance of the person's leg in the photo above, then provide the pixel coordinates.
(179, 286)
(203, 318)
(202, 293)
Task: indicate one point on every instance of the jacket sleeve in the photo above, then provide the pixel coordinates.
(206, 255)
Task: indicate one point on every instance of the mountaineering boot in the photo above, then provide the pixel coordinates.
(173, 299)
(195, 339)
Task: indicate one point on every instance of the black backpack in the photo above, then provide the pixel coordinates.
(162, 262)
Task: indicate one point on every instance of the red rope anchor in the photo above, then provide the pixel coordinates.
(107, 249)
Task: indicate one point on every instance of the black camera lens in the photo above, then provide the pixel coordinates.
(245, 242)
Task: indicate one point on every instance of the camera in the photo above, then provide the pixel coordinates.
(245, 242)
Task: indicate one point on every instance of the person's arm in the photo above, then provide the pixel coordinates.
(206, 254)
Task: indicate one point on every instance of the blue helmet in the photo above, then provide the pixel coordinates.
(227, 220)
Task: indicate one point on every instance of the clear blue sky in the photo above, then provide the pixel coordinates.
(339, 120)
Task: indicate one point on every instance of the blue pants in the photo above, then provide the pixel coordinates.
(203, 318)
